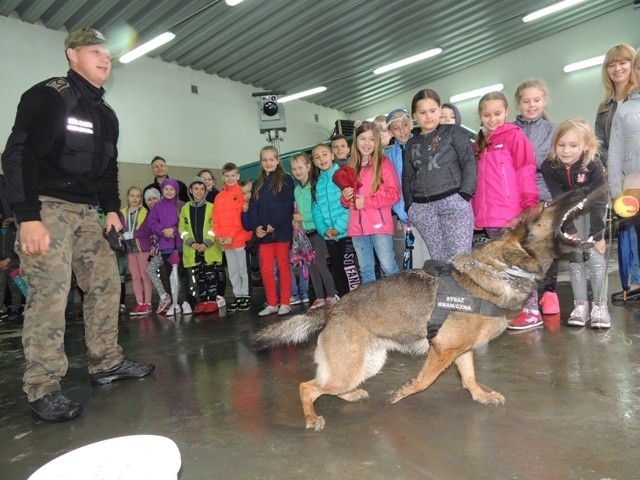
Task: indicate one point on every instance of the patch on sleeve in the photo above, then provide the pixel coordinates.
(58, 84)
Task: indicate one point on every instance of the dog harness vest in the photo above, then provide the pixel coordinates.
(452, 297)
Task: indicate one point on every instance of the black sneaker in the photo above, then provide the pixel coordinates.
(245, 304)
(233, 306)
(125, 370)
(55, 407)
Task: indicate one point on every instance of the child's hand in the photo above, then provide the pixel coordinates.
(227, 241)
(168, 232)
(4, 264)
(347, 193)
(245, 207)
(600, 246)
(331, 233)
(270, 229)
(261, 232)
(298, 217)
(359, 203)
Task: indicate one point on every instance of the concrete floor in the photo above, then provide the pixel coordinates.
(572, 408)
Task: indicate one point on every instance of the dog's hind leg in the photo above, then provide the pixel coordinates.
(468, 376)
(437, 361)
(310, 391)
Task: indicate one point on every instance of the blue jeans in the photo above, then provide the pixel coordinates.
(299, 284)
(383, 246)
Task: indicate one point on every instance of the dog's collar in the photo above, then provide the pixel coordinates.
(518, 272)
(514, 276)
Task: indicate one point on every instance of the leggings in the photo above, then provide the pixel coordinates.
(142, 287)
(155, 263)
(595, 262)
(319, 271)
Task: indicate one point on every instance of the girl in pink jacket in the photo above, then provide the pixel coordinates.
(506, 182)
(370, 224)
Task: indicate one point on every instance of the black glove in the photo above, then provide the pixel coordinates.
(116, 242)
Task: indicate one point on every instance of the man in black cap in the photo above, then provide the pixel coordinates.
(60, 164)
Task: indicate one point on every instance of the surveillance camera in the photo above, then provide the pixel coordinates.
(270, 113)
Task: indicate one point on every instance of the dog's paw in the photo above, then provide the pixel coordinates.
(316, 423)
(486, 398)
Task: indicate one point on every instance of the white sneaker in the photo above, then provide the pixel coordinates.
(579, 315)
(284, 310)
(600, 316)
(186, 308)
(173, 310)
(268, 310)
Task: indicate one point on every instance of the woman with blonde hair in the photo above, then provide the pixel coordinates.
(618, 82)
(624, 157)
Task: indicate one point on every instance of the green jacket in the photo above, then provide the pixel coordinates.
(213, 253)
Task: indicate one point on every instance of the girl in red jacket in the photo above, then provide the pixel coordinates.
(506, 182)
(370, 223)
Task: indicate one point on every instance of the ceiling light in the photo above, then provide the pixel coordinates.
(476, 93)
(232, 3)
(589, 62)
(556, 7)
(407, 61)
(147, 47)
(306, 93)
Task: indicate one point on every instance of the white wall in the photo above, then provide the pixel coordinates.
(573, 94)
(158, 113)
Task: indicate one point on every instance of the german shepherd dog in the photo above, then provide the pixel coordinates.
(396, 312)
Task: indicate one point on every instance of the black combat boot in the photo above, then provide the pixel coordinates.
(55, 407)
(125, 370)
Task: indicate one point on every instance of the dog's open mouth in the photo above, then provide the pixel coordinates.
(567, 221)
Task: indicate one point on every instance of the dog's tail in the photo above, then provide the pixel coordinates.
(296, 329)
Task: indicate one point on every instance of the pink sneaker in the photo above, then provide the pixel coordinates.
(549, 303)
(137, 310)
(317, 304)
(146, 309)
(525, 320)
(164, 304)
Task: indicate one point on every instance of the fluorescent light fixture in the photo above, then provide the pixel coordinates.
(556, 7)
(589, 62)
(476, 93)
(232, 3)
(306, 93)
(407, 61)
(147, 47)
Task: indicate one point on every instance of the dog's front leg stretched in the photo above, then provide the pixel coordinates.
(437, 361)
(468, 376)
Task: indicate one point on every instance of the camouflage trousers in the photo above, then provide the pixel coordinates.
(76, 243)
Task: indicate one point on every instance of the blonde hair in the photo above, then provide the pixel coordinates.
(376, 157)
(533, 83)
(588, 137)
(615, 54)
(636, 65)
(131, 189)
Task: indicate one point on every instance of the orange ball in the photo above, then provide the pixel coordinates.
(626, 206)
